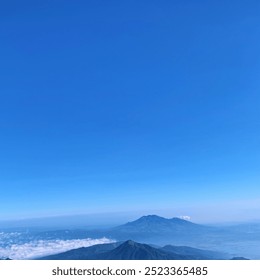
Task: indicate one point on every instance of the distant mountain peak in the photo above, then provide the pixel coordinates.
(151, 218)
(146, 227)
(154, 219)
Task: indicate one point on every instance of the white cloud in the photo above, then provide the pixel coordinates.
(187, 218)
(40, 248)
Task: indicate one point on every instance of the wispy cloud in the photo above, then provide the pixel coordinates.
(40, 248)
(187, 218)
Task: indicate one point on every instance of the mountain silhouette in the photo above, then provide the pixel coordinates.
(130, 250)
(154, 223)
(158, 230)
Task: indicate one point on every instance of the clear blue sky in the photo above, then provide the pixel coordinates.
(116, 106)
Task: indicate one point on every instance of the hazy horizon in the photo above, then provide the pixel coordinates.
(105, 220)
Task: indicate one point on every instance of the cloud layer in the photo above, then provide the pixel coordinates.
(40, 248)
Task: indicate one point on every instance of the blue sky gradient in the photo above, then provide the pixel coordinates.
(130, 106)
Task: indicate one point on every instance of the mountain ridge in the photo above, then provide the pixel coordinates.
(158, 230)
(158, 219)
(131, 250)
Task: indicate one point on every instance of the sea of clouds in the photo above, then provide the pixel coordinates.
(39, 248)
